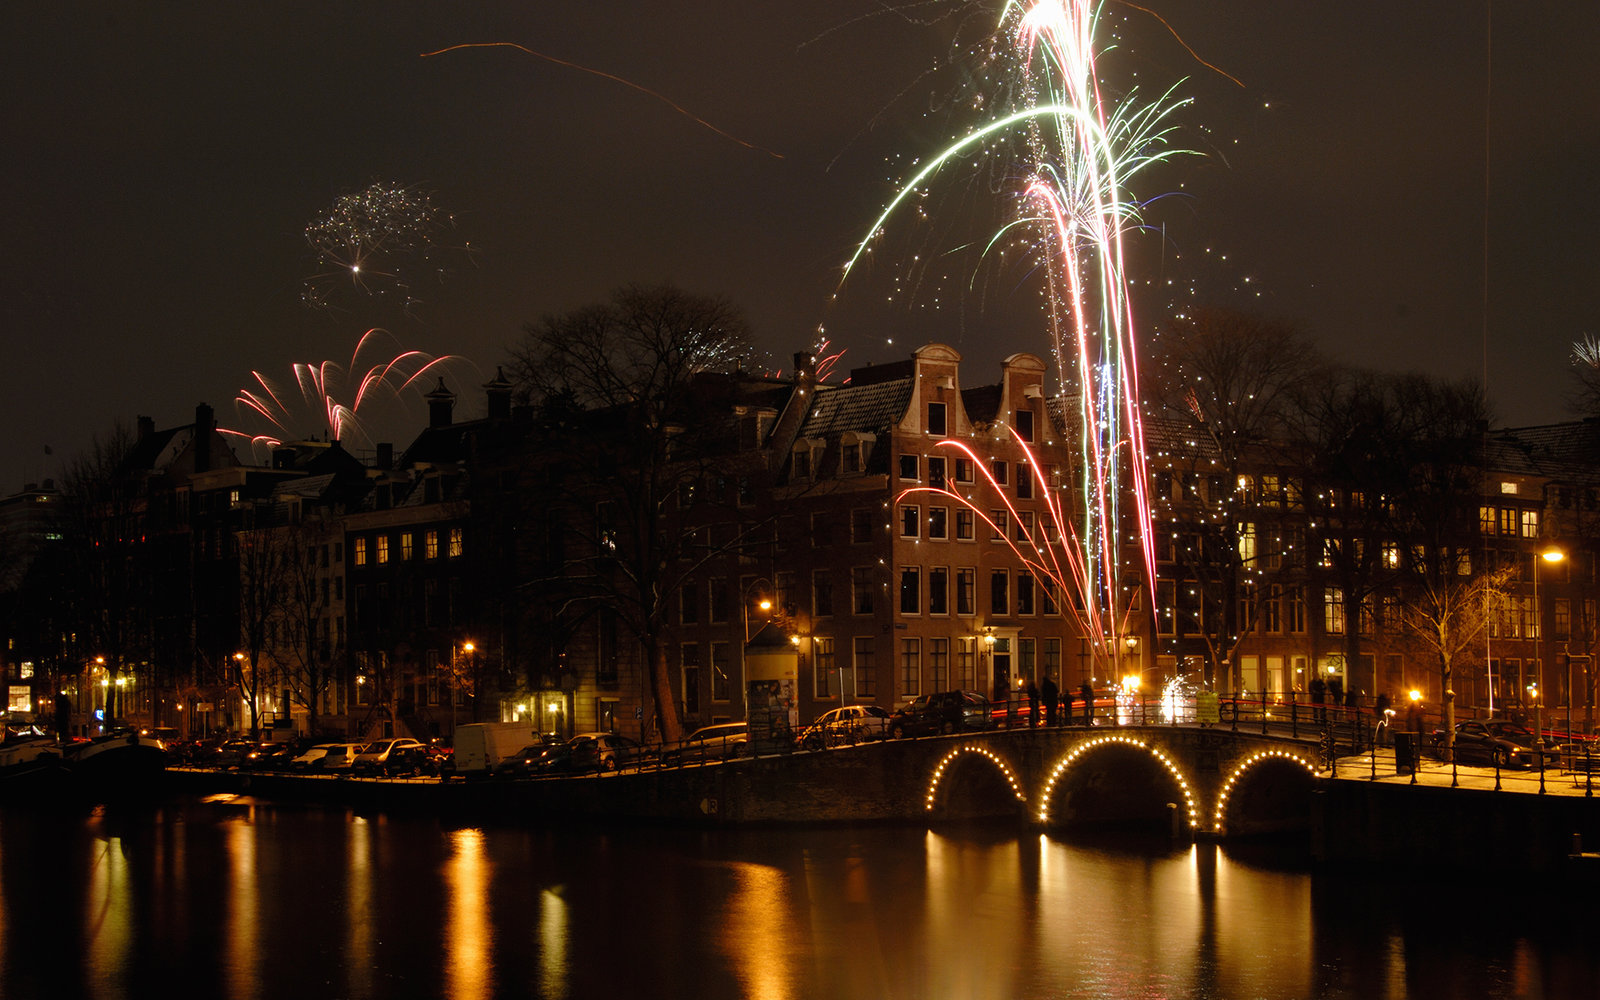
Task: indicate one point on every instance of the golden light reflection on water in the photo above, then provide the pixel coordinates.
(554, 928)
(243, 906)
(759, 936)
(358, 906)
(971, 911)
(469, 934)
(107, 929)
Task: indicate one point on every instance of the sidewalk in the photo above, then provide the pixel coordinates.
(1435, 773)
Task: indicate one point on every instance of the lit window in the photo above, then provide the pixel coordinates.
(455, 542)
(360, 552)
(383, 549)
(430, 545)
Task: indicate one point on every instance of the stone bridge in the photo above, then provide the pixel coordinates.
(1205, 781)
(1191, 780)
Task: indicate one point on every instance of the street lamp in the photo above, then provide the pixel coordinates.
(455, 669)
(1549, 555)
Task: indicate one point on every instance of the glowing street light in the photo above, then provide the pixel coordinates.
(1551, 554)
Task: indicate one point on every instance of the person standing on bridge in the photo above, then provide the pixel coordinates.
(1049, 693)
(1087, 690)
(1319, 690)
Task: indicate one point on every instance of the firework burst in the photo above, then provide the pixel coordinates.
(335, 401)
(1068, 151)
(379, 241)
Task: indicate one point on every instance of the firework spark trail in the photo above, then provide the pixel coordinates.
(319, 387)
(674, 105)
(1082, 150)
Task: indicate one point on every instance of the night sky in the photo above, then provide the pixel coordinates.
(163, 160)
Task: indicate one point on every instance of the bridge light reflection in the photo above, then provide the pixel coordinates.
(1238, 772)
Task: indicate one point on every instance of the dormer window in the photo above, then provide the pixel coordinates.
(803, 458)
(850, 458)
(853, 452)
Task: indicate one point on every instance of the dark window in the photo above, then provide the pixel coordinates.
(908, 466)
(936, 418)
(910, 591)
(1025, 425)
(1000, 593)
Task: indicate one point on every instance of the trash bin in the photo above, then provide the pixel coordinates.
(1406, 746)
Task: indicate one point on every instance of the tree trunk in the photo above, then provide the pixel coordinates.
(1447, 702)
(661, 690)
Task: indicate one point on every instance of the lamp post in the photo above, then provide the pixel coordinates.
(455, 670)
(1551, 554)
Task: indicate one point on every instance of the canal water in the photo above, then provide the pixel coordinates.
(242, 899)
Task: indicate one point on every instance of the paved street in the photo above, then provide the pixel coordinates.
(1362, 767)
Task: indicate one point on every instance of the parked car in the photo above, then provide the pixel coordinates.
(524, 763)
(721, 741)
(170, 740)
(941, 712)
(375, 754)
(230, 753)
(1497, 741)
(582, 753)
(328, 757)
(409, 762)
(599, 752)
(275, 756)
(846, 726)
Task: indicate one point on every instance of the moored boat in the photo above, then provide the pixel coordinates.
(117, 765)
(31, 765)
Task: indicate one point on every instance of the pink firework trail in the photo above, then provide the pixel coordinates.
(1073, 208)
(327, 399)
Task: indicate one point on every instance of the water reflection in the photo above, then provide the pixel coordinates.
(468, 938)
(256, 900)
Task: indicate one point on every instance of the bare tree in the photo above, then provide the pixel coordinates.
(266, 568)
(638, 449)
(1354, 438)
(1448, 593)
(308, 650)
(105, 550)
(1229, 382)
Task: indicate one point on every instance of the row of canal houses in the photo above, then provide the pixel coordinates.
(858, 556)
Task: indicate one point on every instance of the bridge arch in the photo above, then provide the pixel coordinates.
(1262, 773)
(1066, 764)
(1001, 770)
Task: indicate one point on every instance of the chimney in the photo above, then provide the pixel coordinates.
(441, 402)
(205, 423)
(499, 393)
(385, 457)
(147, 427)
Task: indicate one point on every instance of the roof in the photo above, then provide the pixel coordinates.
(873, 407)
(1557, 451)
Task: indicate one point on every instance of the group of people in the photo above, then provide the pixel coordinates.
(1330, 692)
(1048, 704)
